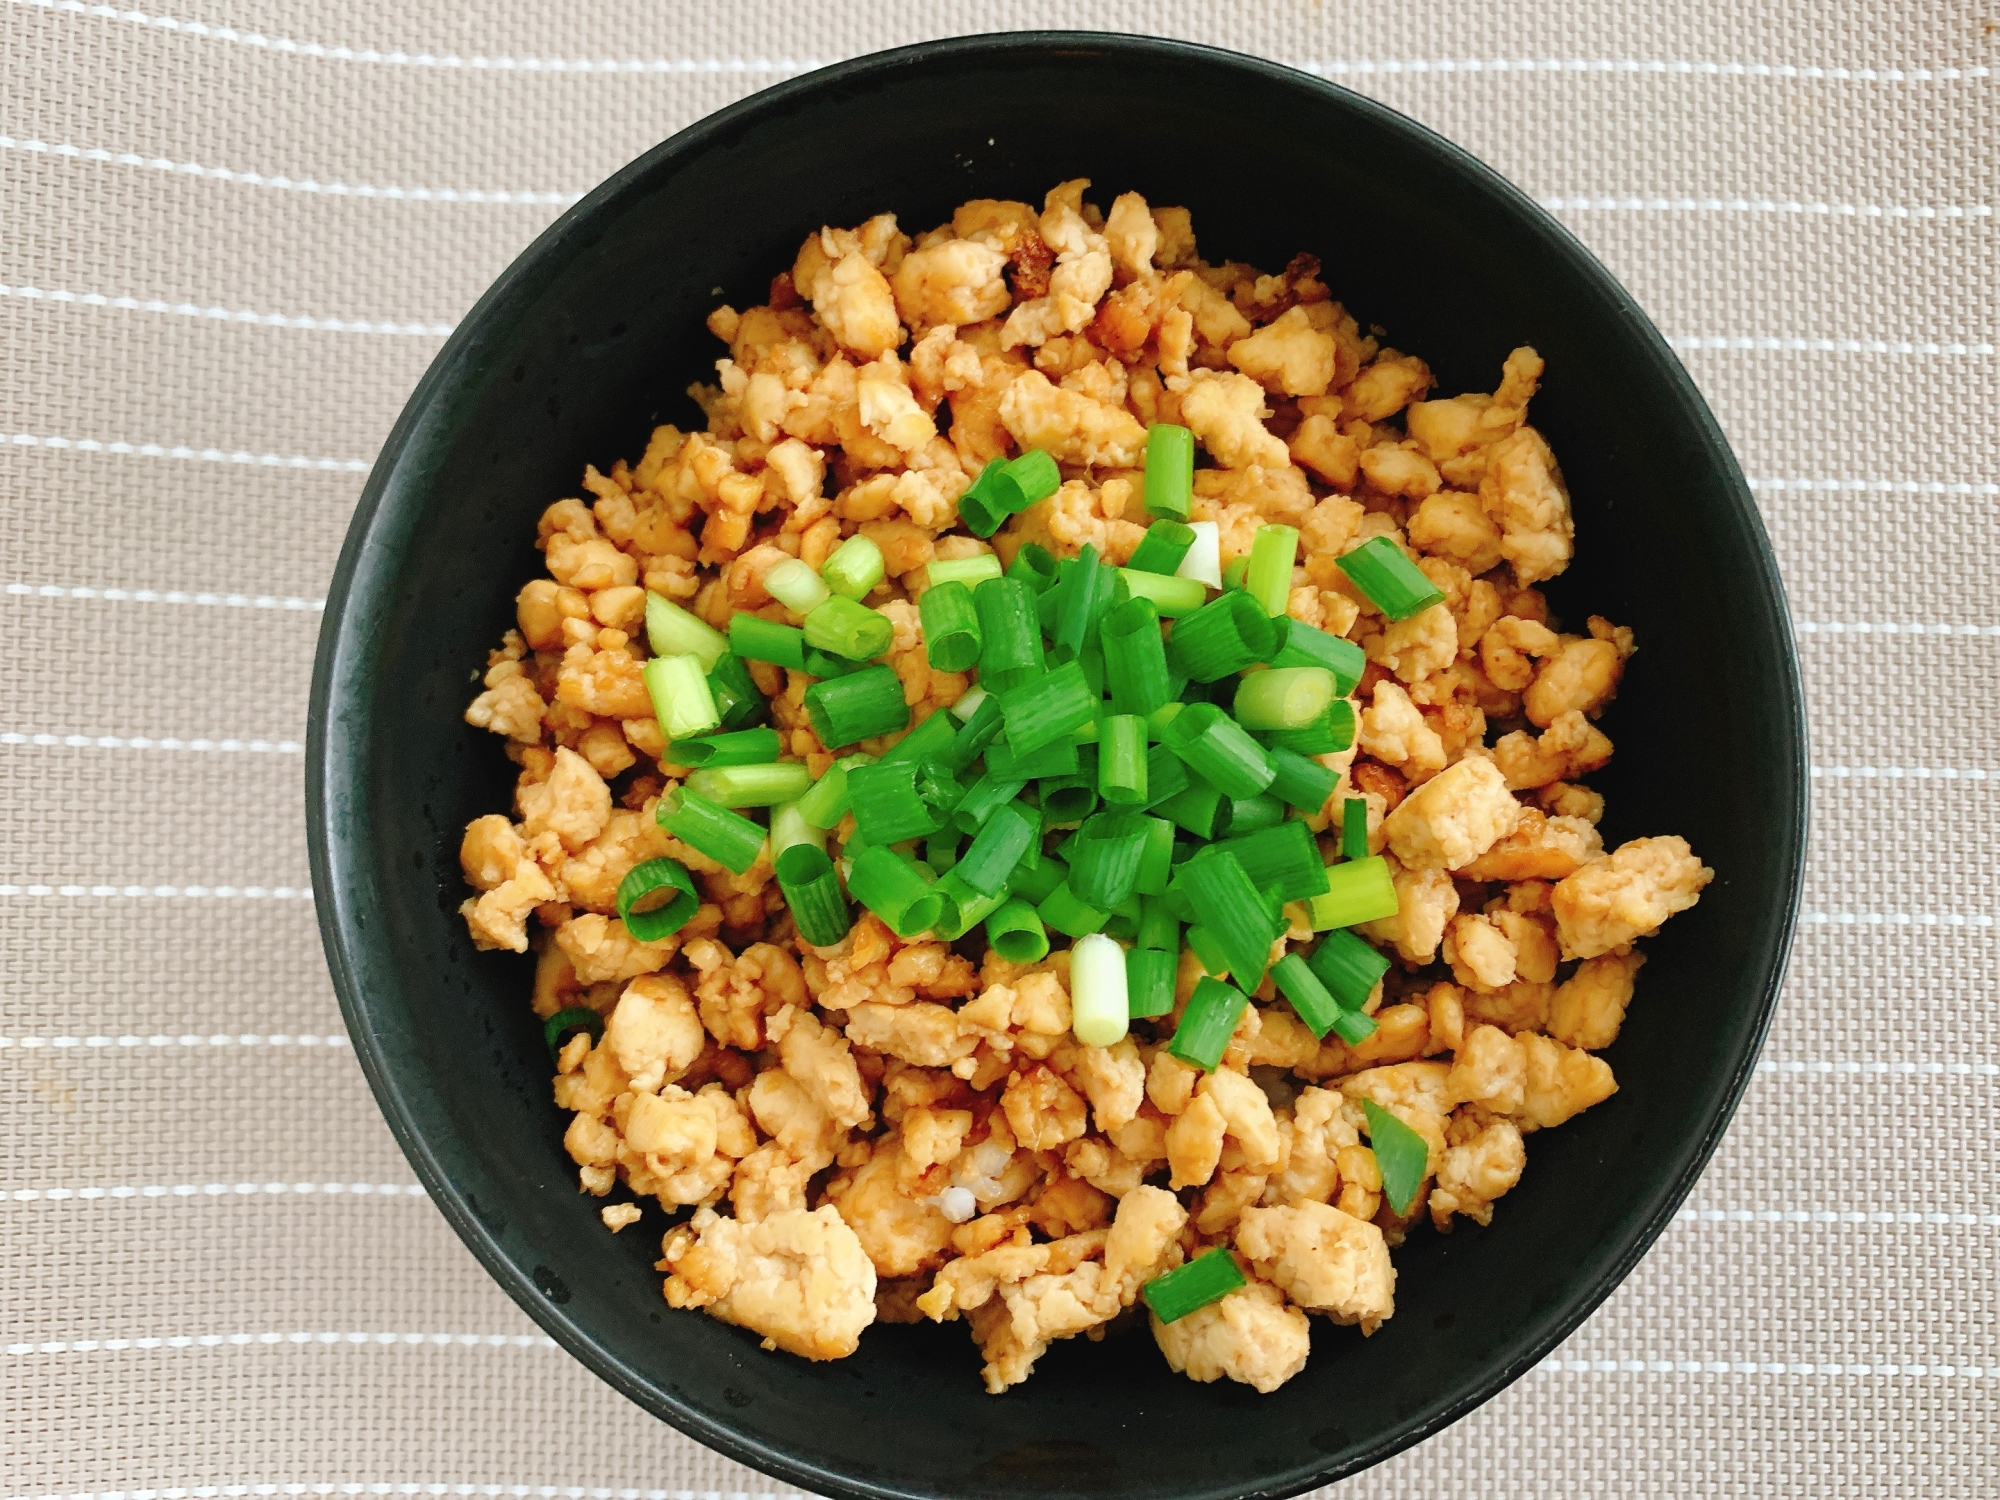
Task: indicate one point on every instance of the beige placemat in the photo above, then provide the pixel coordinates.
(230, 240)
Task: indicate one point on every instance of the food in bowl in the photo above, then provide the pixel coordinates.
(983, 866)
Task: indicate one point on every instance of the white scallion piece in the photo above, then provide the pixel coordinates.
(1099, 1009)
(1203, 562)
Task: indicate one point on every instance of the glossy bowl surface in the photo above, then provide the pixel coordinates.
(592, 336)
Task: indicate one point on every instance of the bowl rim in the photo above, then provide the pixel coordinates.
(340, 639)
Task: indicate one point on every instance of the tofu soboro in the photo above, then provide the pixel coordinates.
(898, 1129)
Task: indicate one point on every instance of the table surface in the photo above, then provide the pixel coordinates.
(231, 238)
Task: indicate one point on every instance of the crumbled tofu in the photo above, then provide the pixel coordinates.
(1615, 899)
(799, 1278)
(1322, 1260)
(1453, 818)
(1226, 414)
(1251, 1336)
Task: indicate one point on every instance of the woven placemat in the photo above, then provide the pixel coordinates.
(230, 241)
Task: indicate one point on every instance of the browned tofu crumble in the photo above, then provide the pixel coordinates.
(813, 1107)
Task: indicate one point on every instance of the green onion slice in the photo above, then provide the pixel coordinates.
(1205, 1279)
(682, 699)
(795, 585)
(1169, 470)
(656, 898)
(1236, 912)
(1048, 708)
(1282, 860)
(1218, 750)
(1349, 967)
(1165, 543)
(854, 568)
(1284, 697)
(728, 838)
(812, 891)
(1171, 597)
(965, 570)
(1208, 1023)
(857, 707)
(1225, 635)
(1308, 646)
(848, 629)
(1268, 579)
(744, 747)
(1301, 783)
(1389, 580)
(751, 786)
(756, 639)
(1354, 828)
(828, 801)
(672, 631)
(989, 863)
(897, 800)
(1137, 654)
(1016, 933)
(1063, 910)
(951, 625)
(1360, 890)
(557, 1029)
(1104, 866)
(1401, 1155)
(895, 890)
(1149, 980)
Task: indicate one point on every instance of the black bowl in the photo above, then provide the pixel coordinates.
(590, 338)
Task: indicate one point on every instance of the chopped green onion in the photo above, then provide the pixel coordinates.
(854, 568)
(941, 850)
(1064, 911)
(1310, 999)
(1354, 828)
(756, 639)
(1169, 470)
(897, 800)
(1349, 967)
(789, 827)
(1167, 774)
(1282, 860)
(1329, 734)
(965, 570)
(1084, 596)
(1165, 543)
(983, 801)
(1235, 571)
(1301, 783)
(728, 838)
(1131, 637)
(1361, 890)
(656, 898)
(812, 891)
(1016, 933)
(1100, 1010)
(1158, 927)
(1353, 1027)
(1235, 911)
(1010, 633)
(1269, 578)
(1307, 646)
(751, 786)
(845, 628)
(826, 664)
(857, 707)
(556, 1030)
(1104, 866)
(1069, 799)
(895, 890)
(1208, 1023)
(828, 801)
(1061, 757)
(1033, 478)
(1123, 921)
(1388, 579)
(1121, 760)
(1283, 697)
(1038, 881)
(934, 739)
(998, 847)
(1205, 1279)
(745, 747)
(1170, 596)
(1203, 562)
(1035, 566)
(951, 625)
(795, 585)
(963, 907)
(1156, 859)
(1149, 981)
(1401, 1156)
(1225, 635)
(982, 506)
(682, 700)
(1249, 814)
(980, 730)
(1205, 947)
(1048, 708)
(969, 703)
(1218, 750)
(738, 699)
(1199, 808)
(672, 631)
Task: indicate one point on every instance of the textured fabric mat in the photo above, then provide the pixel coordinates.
(230, 240)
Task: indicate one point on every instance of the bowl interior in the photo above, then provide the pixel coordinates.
(593, 336)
